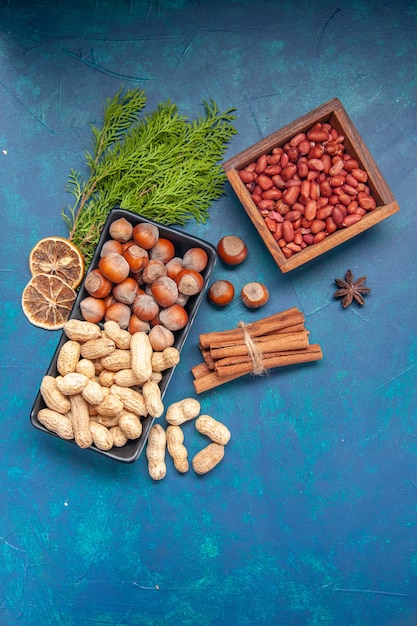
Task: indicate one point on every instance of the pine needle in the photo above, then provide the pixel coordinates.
(158, 164)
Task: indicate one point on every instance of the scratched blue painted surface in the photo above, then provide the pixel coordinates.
(311, 519)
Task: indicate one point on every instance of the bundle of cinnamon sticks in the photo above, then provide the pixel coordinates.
(275, 341)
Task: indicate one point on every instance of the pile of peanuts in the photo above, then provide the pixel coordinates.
(172, 440)
(107, 381)
(308, 188)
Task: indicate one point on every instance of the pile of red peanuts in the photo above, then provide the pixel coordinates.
(308, 188)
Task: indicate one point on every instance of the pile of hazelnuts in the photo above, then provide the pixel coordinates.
(232, 250)
(141, 284)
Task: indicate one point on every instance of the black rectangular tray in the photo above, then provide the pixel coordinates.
(182, 242)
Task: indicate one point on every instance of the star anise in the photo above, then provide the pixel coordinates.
(350, 289)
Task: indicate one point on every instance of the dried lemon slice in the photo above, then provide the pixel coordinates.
(58, 257)
(47, 301)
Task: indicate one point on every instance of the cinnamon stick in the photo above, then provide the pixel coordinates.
(255, 329)
(211, 381)
(243, 365)
(208, 359)
(269, 343)
(275, 341)
(206, 379)
(239, 340)
(200, 370)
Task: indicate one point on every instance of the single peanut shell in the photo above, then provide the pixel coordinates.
(119, 438)
(97, 348)
(106, 378)
(141, 353)
(177, 449)
(68, 357)
(130, 425)
(81, 330)
(93, 392)
(152, 396)
(155, 452)
(54, 399)
(133, 401)
(215, 430)
(120, 336)
(57, 423)
(86, 367)
(182, 411)
(72, 383)
(102, 437)
(210, 456)
(80, 418)
(117, 360)
(111, 406)
(127, 378)
(164, 360)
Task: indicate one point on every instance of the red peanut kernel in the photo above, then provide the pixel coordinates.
(308, 188)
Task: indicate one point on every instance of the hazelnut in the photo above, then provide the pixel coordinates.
(254, 295)
(232, 250)
(221, 292)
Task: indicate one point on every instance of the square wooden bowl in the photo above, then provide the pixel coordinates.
(331, 112)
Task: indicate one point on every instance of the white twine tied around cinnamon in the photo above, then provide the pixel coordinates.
(254, 353)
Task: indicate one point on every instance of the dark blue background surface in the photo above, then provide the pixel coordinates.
(311, 519)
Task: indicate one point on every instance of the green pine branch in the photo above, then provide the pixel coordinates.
(158, 165)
